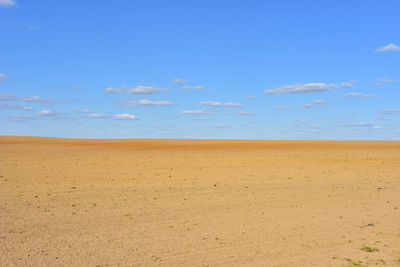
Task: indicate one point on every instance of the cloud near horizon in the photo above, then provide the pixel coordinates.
(15, 107)
(196, 112)
(363, 124)
(31, 99)
(45, 112)
(315, 104)
(348, 84)
(140, 89)
(191, 88)
(144, 102)
(219, 104)
(246, 113)
(389, 111)
(126, 116)
(178, 81)
(301, 88)
(354, 94)
(98, 116)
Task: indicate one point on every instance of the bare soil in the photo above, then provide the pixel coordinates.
(67, 202)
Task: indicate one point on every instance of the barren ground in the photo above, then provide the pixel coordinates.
(198, 202)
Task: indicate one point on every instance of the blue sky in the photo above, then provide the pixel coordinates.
(200, 69)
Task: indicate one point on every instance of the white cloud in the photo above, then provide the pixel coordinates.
(189, 88)
(46, 112)
(15, 107)
(348, 84)
(377, 127)
(140, 89)
(145, 102)
(301, 88)
(22, 118)
(37, 99)
(3, 77)
(283, 107)
(178, 81)
(388, 48)
(145, 90)
(8, 97)
(381, 81)
(78, 110)
(111, 90)
(315, 103)
(126, 116)
(245, 113)
(388, 111)
(32, 99)
(359, 124)
(357, 95)
(196, 112)
(219, 104)
(7, 3)
(98, 116)
(251, 97)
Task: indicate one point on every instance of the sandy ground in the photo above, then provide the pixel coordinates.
(198, 203)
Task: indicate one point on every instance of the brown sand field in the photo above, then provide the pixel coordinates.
(67, 202)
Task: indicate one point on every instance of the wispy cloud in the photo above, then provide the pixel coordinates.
(113, 90)
(191, 88)
(32, 99)
(98, 116)
(3, 77)
(78, 110)
(219, 104)
(46, 112)
(77, 88)
(22, 118)
(363, 125)
(360, 124)
(389, 111)
(15, 107)
(49, 114)
(8, 3)
(178, 81)
(42, 114)
(8, 97)
(38, 99)
(246, 113)
(315, 104)
(144, 102)
(282, 107)
(357, 95)
(348, 84)
(301, 88)
(140, 89)
(381, 81)
(196, 112)
(31, 27)
(388, 48)
(251, 97)
(126, 116)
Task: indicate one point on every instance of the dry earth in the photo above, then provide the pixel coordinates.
(198, 203)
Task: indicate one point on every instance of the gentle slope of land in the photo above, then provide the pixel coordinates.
(127, 202)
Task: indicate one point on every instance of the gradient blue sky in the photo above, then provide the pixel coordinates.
(200, 69)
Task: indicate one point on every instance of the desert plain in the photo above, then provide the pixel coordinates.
(144, 202)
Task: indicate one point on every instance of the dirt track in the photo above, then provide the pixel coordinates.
(197, 203)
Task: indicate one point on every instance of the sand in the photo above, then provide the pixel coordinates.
(82, 202)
